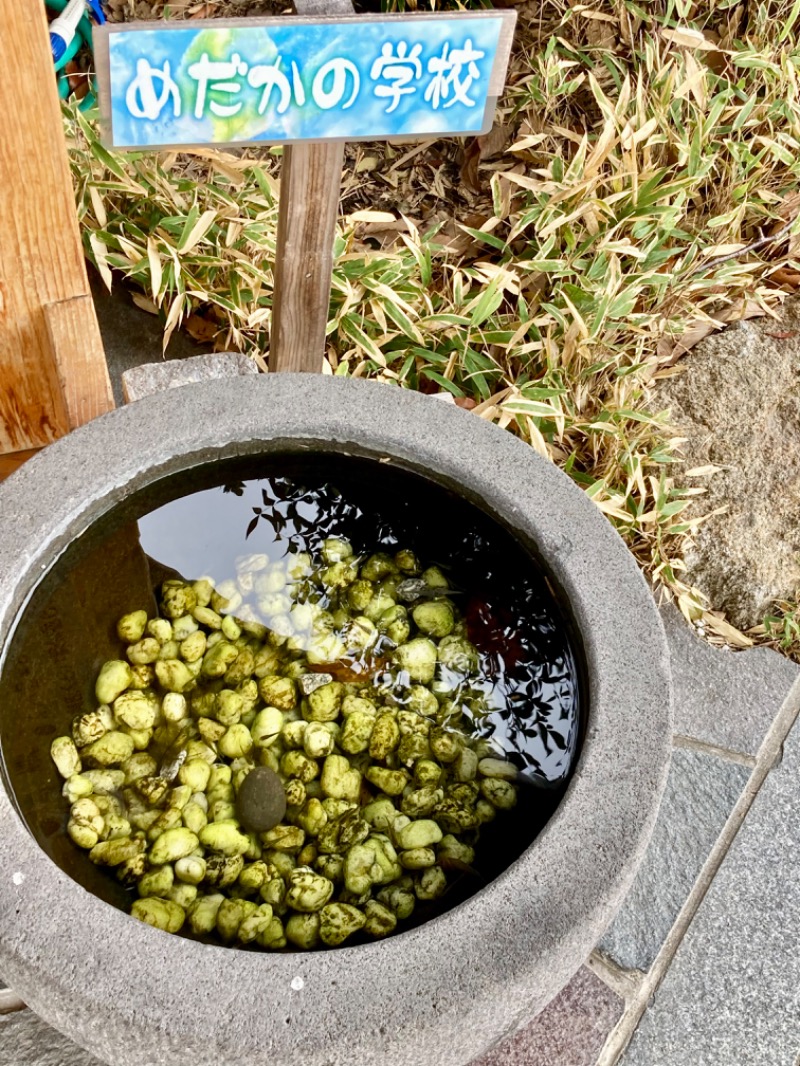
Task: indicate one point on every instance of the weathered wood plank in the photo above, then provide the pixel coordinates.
(311, 178)
(41, 259)
(86, 392)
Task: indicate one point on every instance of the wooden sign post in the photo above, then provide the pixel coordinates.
(310, 83)
(311, 178)
(53, 374)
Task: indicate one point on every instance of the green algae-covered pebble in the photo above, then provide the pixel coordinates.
(422, 701)
(399, 898)
(277, 691)
(191, 869)
(203, 913)
(357, 731)
(115, 852)
(500, 793)
(183, 895)
(114, 677)
(339, 779)
(267, 726)
(325, 702)
(195, 773)
(145, 651)
(419, 834)
(458, 654)
(65, 755)
(284, 838)
(173, 675)
(130, 627)
(255, 924)
(158, 881)
(225, 838)
(498, 768)
(312, 817)
(137, 710)
(431, 883)
(110, 750)
(417, 659)
(417, 858)
(231, 914)
(87, 728)
(308, 891)
(435, 618)
(273, 937)
(172, 845)
(319, 739)
(177, 598)
(223, 870)
(392, 782)
(380, 920)
(380, 813)
(219, 657)
(384, 737)
(338, 921)
(160, 913)
(360, 869)
(236, 741)
(302, 930)
(104, 782)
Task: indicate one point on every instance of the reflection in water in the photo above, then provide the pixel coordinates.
(256, 539)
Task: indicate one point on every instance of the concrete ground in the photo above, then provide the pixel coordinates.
(700, 967)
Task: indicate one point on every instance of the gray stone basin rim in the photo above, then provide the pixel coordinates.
(447, 990)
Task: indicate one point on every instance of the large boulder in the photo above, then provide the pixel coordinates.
(737, 402)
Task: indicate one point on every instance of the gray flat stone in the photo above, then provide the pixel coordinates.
(701, 791)
(732, 995)
(728, 699)
(145, 380)
(25, 1040)
(570, 1031)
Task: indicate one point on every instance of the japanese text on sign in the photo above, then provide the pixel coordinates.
(287, 80)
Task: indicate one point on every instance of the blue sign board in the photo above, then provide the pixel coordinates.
(280, 80)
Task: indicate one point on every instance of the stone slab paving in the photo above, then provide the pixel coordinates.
(569, 1032)
(25, 1040)
(701, 792)
(732, 994)
(724, 698)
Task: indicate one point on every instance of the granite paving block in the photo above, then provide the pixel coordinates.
(25, 1040)
(569, 1032)
(732, 994)
(701, 791)
(725, 698)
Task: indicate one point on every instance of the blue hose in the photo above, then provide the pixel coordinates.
(83, 37)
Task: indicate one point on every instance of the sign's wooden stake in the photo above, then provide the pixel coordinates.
(311, 179)
(48, 328)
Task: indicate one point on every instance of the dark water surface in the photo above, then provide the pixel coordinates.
(198, 523)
